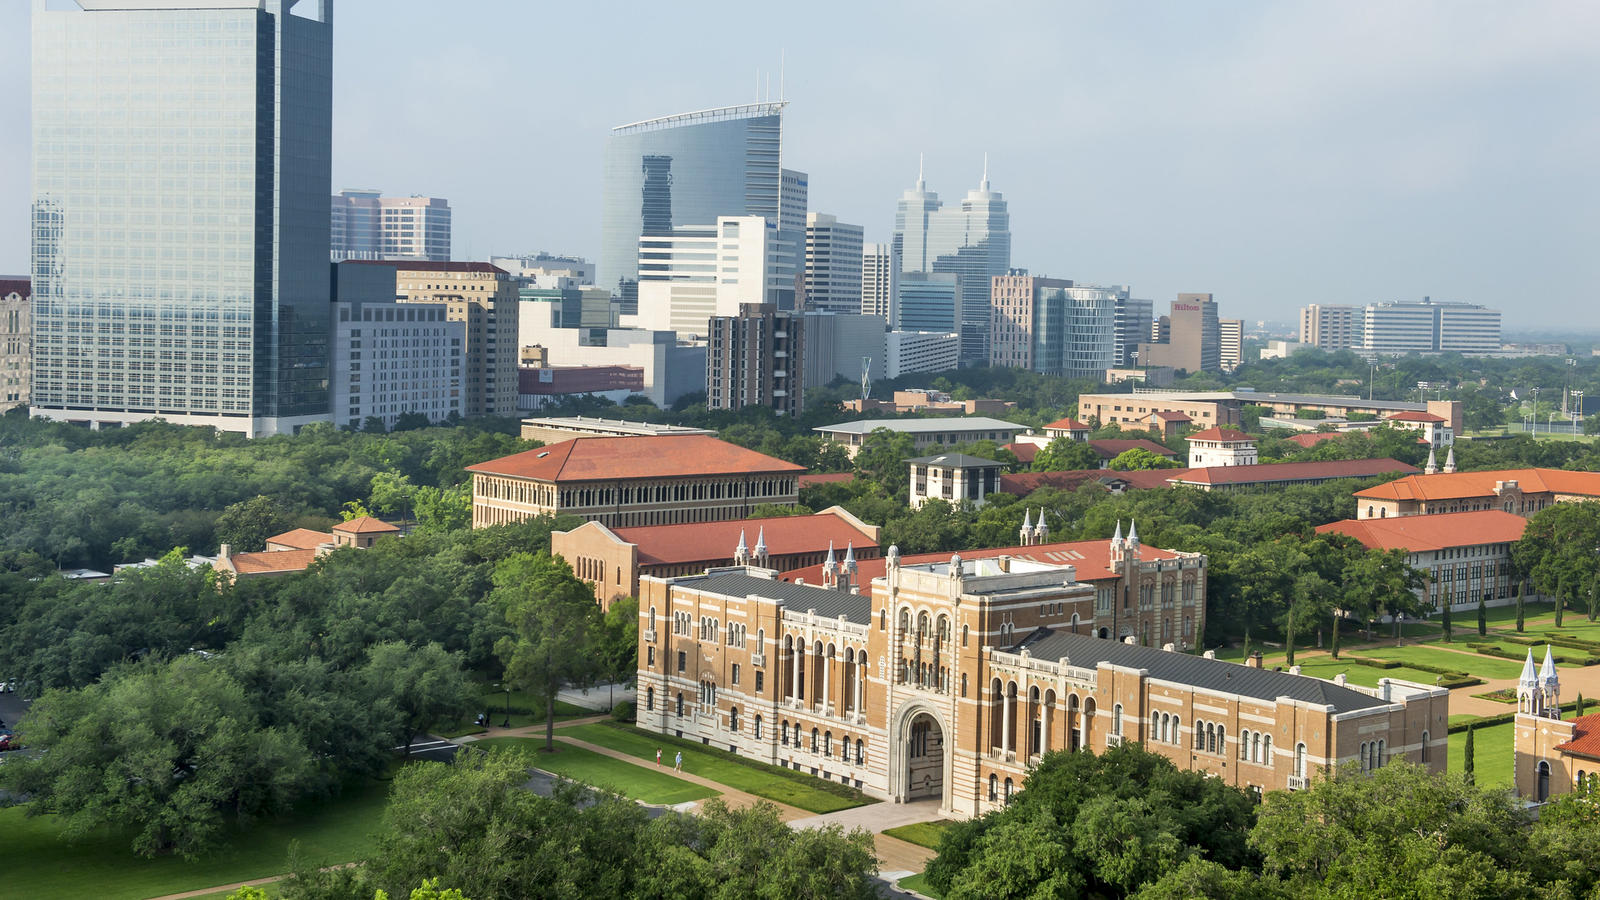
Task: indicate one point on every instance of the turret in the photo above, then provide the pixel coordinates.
(1450, 460)
(1116, 546)
(847, 571)
(1027, 528)
(894, 556)
(741, 553)
(1432, 468)
(830, 571)
(1041, 531)
(1133, 539)
(1550, 685)
(761, 547)
(1530, 696)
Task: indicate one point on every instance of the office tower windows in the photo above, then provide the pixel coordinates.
(833, 266)
(880, 282)
(367, 225)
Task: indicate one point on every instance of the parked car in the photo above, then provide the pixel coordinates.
(7, 739)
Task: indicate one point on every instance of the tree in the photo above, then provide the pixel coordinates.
(1521, 609)
(620, 642)
(1201, 878)
(556, 625)
(1444, 619)
(1467, 756)
(173, 749)
(882, 460)
(422, 685)
(1140, 458)
(1560, 552)
(393, 494)
(1064, 455)
(246, 525)
(1483, 618)
(444, 509)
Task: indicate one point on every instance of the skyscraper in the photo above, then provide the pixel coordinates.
(1330, 327)
(693, 272)
(180, 212)
(367, 225)
(1052, 326)
(832, 264)
(1133, 329)
(689, 169)
(1230, 343)
(880, 282)
(911, 214)
(757, 358)
(1189, 338)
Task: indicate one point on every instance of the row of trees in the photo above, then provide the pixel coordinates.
(1128, 823)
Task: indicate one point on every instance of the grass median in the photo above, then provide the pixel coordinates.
(1492, 754)
(646, 785)
(772, 782)
(923, 834)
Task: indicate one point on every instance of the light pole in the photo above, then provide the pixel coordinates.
(1535, 415)
(1577, 410)
(507, 689)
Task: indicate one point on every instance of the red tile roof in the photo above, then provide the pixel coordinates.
(1024, 452)
(1585, 737)
(826, 478)
(366, 525)
(272, 561)
(1113, 448)
(1168, 415)
(1068, 424)
(1024, 483)
(1092, 559)
(1220, 434)
(423, 265)
(1268, 473)
(1415, 417)
(713, 541)
(646, 456)
(1461, 485)
(1312, 438)
(301, 539)
(1437, 532)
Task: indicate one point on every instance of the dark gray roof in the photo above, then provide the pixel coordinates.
(915, 426)
(955, 461)
(1196, 671)
(797, 597)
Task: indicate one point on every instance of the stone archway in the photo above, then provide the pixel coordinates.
(920, 763)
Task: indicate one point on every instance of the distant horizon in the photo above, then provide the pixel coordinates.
(1273, 155)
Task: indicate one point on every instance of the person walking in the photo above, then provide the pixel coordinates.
(658, 757)
(677, 762)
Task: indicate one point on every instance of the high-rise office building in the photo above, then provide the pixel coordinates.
(836, 344)
(880, 281)
(832, 265)
(1188, 338)
(16, 341)
(928, 302)
(180, 212)
(392, 358)
(757, 358)
(1429, 326)
(690, 169)
(1133, 329)
(1051, 326)
(485, 298)
(368, 225)
(1330, 327)
(693, 272)
(544, 270)
(971, 240)
(1230, 343)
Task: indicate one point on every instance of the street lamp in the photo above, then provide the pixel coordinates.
(507, 689)
(1535, 411)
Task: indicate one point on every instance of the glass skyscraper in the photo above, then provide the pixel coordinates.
(181, 212)
(689, 169)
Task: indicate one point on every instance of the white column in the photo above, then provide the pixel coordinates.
(1006, 740)
(861, 687)
(794, 666)
(827, 681)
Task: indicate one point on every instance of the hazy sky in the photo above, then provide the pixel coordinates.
(1274, 154)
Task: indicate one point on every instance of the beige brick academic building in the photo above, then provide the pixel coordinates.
(947, 679)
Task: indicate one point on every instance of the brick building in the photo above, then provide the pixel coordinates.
(1467, 555)
(626, 481)
(1520, 491)
(948, 679)
(1551, 756)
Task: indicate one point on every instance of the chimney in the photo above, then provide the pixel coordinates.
(1210, 654)
(225, 551)
(1170, 648)
(1254, 661)
(1005, 562)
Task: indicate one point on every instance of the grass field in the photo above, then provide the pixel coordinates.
(1465, 661)
(771, 782)
(923, 834)
(525, 710)
(918, 883)
(643, 784)
(1491, 754)
(1366, 676)
(103, 867)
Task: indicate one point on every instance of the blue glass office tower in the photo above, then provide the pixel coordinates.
(689, 169)
(181, 212)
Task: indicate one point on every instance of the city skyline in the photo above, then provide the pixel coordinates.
(1328, 155)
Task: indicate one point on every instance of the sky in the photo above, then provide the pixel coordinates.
(1273, 153)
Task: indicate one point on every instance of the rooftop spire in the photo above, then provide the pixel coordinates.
(1117, 538)
(984, 184)
(1547, 672)
(829, 563)
(761, 541)
(920, 183)
(1027, 518)
(850, 557)
(741, 548)
(1528, 676)
(1133, 532)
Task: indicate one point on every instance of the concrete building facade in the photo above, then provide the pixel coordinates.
(944, 431)
(16, 341)
(1230, 343)
(392, 358)
(1187, 338)
(1466, 555)
(1398, 327)
(839, 344)
(905, 352)
(880, 281)
(1331, 328)
(1520, 491)
(955, 478)
(833, 264)
(622, 482)
(694, 272)
(1133, 328)
(757, 358)
(1052, 326)
(368, 225)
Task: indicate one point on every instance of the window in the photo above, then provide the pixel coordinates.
(1300, 760)
(733, 718)
(994, 787)
(1116, 719)
(783, 733)
(683, 661)
(1544, 781)
(1424, 748)
(650, 698)
(650, 657)
(680, 704)
(861, 753)
(756, 727)
(815, 737)
(759, 680)
(733, 674)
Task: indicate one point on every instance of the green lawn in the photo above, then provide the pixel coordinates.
(525, 710)
(635, 782)
(1460, 718)
(1507, 615)
(1355, 673)
(923, 834)
(1467, 660)
(44, 867)
(752, 777)
(918, 883)
(1491, 751)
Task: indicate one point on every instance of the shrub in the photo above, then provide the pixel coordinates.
(623, 711)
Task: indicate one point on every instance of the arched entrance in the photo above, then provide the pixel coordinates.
(921, 764)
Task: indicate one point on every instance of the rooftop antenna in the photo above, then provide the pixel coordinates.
(984, 185)
(920, 183)
(758, 84)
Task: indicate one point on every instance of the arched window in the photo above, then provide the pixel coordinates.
(963, 684)
(733, 718)
(650, 699)
(1158, 729)
(1244, 746)
(652, 618)
(1544, 782)
(1177, 730)
(1424, 748)
(827, 743)
(1300, 760)
(1008, 791)
(1211, 738)
(861, 752)
(883, 620)
(783, 733)
(1266, 750)
(994, 787)
(797, 735)
(816, 736)
(1222, 739)
(963, 635)
(1116, 719)
(680, 704)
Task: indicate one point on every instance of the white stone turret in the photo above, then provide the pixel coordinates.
(1041, 531)
(1530, 695)
(1133, 538)
(761, 547)
(741, 553)
(1432, 468)
(847, 570)
(830, 571)
(1550, 685)
(894, 556)
(1116, 546)
(1450, 460)
(1027, 527)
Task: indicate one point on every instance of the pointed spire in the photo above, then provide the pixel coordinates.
(1450, 460)
(921, 184)
(1041, 529)
(1027, 518)
(740, 550)
(1432, 468)
(1528, 676)
(1117, 538)
(984, 184)
(1133, 532)
(761, 541)
(1547, 672)
(849, 557)
(829, 564)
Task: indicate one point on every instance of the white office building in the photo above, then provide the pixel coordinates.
(671, 368)
(694, 272)
(392, 358)
(905, 352)
(1429, 326)
(832, 265)
(880, 281)
(928, 302)
(1331, 327)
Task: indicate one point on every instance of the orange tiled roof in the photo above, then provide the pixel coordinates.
(812, 478)
(272, 561)
(1024, 483)
(1111, 448)
(1091, 558)
(712, 541)
(366, 525)
(1585, 737)
(650, 456)
(1412, 416)
(1311, 438)
(1220, 434)
(1068, 424)
(1460, 485)
(1418, 533)
(1023, 452)
(1267, 473)
(301, 539)
(1169, 415)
